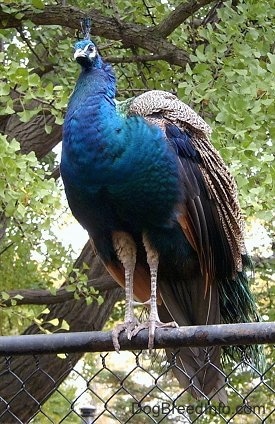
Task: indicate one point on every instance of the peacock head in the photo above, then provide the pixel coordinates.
(87, 55)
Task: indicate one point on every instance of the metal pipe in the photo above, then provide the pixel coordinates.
(100, 341)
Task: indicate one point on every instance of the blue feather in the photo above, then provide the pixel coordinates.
(181, 141)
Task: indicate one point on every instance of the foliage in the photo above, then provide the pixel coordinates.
(29, 202)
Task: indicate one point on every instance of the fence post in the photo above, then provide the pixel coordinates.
(88, 414)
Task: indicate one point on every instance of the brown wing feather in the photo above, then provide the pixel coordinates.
(195, 218)
(190, 232)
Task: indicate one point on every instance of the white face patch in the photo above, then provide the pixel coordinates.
(79, 53)
(90, 51)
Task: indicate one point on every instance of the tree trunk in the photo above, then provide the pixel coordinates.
(27, 381)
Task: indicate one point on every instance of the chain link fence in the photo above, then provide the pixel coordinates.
(40, 385)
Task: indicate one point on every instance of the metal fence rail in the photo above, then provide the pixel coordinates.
(45, 379)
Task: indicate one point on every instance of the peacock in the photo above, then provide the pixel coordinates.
(161, 209)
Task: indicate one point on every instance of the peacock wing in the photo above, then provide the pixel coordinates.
(209, 214)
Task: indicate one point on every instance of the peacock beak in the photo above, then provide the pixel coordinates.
(79, 53)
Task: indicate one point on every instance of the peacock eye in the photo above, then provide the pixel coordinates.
(91, 48)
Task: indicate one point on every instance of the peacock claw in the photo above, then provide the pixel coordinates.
(129, 327)
(151, 325)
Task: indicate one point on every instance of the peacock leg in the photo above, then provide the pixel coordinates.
(125, 249)
(153, 321)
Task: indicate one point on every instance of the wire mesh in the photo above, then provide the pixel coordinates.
(127, 387)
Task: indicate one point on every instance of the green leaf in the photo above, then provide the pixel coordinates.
(61, 355)
(271, 66)
(4, 295)
(4, 89)
(18, 297)
(27, 114)
(48, 129)
(19, 15)
(64, 325)
(54, 322)
(200, 53)
(38, 4)
(33, 79)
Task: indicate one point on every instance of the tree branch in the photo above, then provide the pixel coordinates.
(32, 135)
(45, 297)
(212, 16)
(178, 16)
(25, 39)
(130, 34)
(135, 58)
(100, 283)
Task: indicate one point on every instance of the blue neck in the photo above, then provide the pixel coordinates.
(93, 81)
(90, 124)
(91, 105)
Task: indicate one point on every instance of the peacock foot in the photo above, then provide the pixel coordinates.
(151, 325)
(128, 326)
